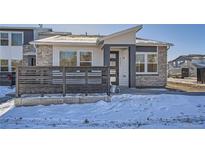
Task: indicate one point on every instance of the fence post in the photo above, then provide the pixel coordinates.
(64, 81)
(17, 81)
(41, 82)
(108, 80)
(86, 81)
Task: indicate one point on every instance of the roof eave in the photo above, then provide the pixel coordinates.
(154, 44)
(63, 43)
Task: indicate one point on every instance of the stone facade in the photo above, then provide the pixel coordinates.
(160, 79)
(28, 52)
(44, 55)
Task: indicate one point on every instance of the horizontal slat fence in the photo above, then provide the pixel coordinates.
(62, 80)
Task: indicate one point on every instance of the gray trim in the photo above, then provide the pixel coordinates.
(132, 64)
(106, 55)
(132, 60)
(146, 48)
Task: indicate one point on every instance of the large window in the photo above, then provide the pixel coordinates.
(4, 39)
(4, 65)
(146, 63)
(68, 59)
(16, 39)
(85, 58)
(75, 58)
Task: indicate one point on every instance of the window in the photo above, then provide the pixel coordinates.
(85, 58)
(16, 39)
(152, 63)
(4, 39)
(140, 63)
(68, 59)
(146, 63)
(4, 65)
(75, 58)
(14, 64)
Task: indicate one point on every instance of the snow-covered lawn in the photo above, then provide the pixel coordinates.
(5, 90)
(124, 111)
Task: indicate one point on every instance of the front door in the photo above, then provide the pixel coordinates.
(114, 67)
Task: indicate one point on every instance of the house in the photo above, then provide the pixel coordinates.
(16, 50)
(188, 63)
(133, 61)
(15, 47)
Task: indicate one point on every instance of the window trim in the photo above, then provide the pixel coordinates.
(78, 56)
(146, 63)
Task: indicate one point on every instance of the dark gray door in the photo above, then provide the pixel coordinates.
(114, 67)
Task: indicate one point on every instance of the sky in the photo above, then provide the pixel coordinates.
(187, 39)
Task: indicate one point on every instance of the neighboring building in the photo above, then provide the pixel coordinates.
(186, 62)
(15, 48)
(134, 62)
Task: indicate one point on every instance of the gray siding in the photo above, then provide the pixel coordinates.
(146, 49)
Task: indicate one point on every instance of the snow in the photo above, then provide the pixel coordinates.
(5, 90)
(124, 111)
(5, 107)
(189, 80)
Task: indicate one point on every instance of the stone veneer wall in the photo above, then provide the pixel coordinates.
(159, 80)
(28, 51)
(44, 55)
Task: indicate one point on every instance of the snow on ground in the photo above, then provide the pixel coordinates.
(124, 111)
(188, 80)
(5, 90)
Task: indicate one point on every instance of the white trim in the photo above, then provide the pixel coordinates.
(146, 63)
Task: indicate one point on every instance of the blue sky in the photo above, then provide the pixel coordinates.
(187, 39)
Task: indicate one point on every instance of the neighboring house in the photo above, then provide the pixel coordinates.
(134, 62)
(186, 62)
(16, 50)
(15, 47)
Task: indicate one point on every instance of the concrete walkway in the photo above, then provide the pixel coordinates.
(156, 91)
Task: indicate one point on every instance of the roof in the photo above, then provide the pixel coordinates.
(148, 42)
(55, 33)
(199, 65)
(136, 28)
(22, 28)
(69, 39)
(190, 57)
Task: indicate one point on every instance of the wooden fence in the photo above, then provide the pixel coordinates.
(62, 80)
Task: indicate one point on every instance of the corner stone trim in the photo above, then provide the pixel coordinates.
(44, 55)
